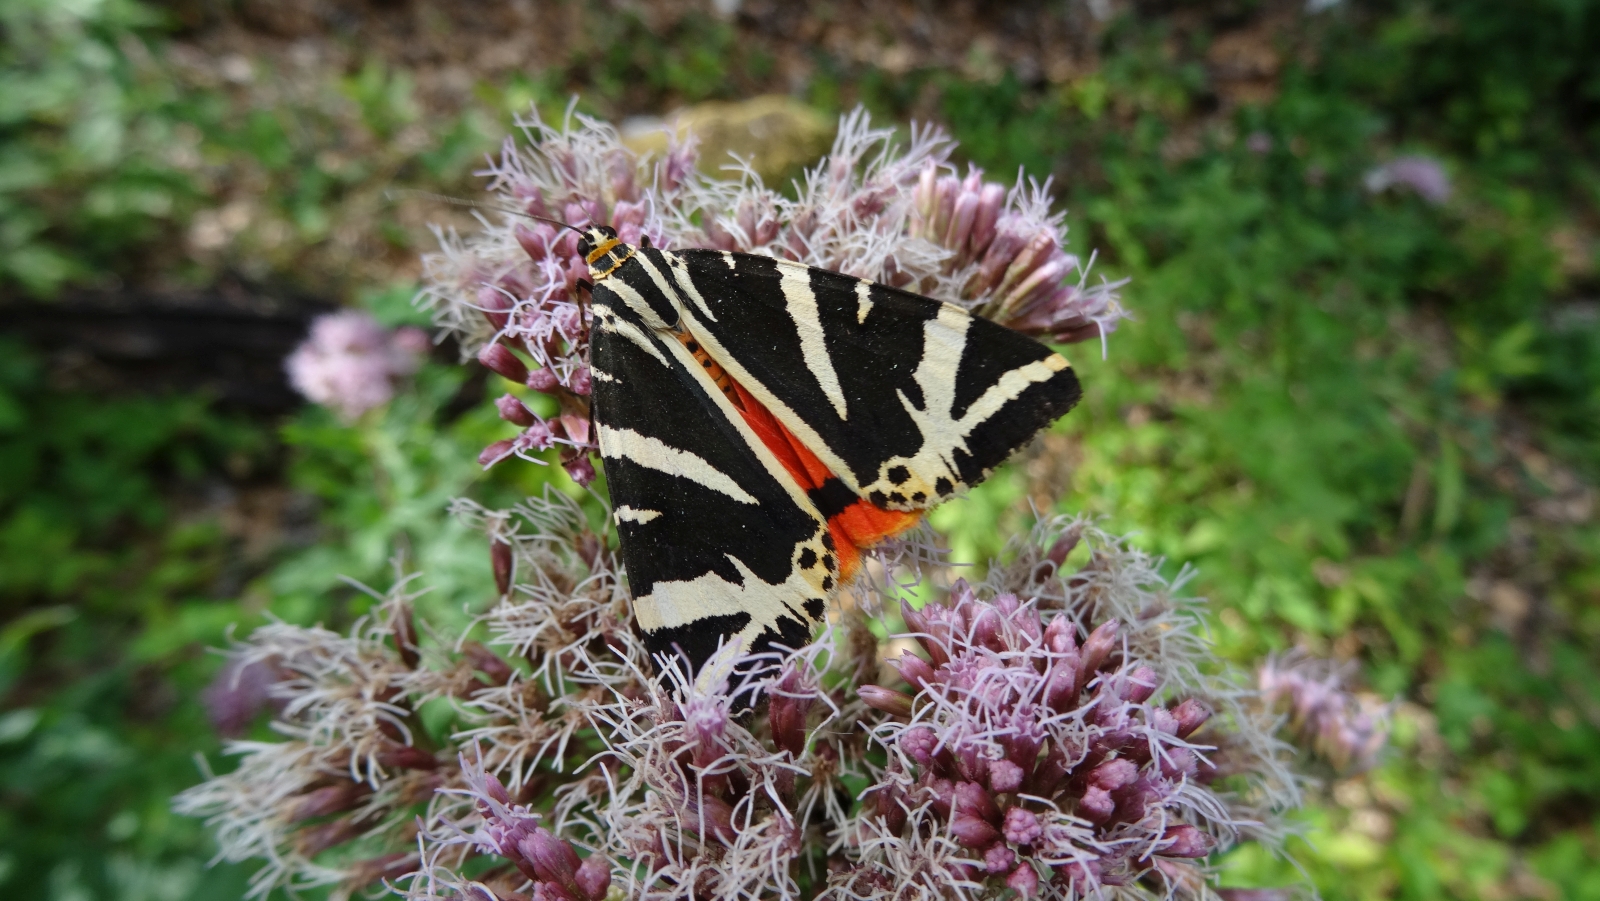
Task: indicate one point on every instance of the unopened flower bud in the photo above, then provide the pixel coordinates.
(1191, 715)
(553, 859)
(407, 757)
(513, 410)
(489, 663)
(581, 382)
(1141, 684)
(999, 859)
(973, 832)
(499, 359)
(1096, 648)
(580, 469)
(1096, 805)
(914, 670)
(594, 877)
(542, 380)
(322, 801)
(1005, 776)
(888, 700)
(496, 452)
(1185, 841)
(972, 799)
(1022, 827)
(1024, 880)
(918, 743)
(503, 562)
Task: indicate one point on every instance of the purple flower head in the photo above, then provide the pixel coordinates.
(350, 363)
(1038, 742)
(1421, 175)
(1349, 731)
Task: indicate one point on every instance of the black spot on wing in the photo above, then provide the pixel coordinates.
(832, 498)
(817, 606)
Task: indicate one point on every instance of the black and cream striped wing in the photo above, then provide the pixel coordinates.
(908, 400)
(717, 541)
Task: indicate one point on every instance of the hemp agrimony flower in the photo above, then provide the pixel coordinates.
(1062, 729)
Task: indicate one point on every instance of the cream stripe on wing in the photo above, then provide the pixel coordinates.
(801, 303)
(653, 453)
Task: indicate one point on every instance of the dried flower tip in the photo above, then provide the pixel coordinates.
(1024, 880)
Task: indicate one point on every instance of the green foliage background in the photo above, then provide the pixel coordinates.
(1363, 417)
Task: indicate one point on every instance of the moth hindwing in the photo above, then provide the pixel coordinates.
(762, 422)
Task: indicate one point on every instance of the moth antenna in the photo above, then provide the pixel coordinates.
(479, 205)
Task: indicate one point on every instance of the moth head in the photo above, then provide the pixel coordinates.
(595, 241)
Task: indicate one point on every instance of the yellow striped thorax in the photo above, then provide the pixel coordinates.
(602, 251)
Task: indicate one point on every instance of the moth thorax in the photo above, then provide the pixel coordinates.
(602, 251)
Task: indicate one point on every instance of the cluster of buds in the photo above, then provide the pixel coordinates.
(1041, 751)
(1348, 731)
(870, 209)
(1011, 260)
(350, 363)
(551, 866)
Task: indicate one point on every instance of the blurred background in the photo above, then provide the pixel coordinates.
(1361, 394)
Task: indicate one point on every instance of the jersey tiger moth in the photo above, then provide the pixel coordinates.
(762, 422)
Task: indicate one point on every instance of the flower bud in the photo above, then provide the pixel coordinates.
(496, 452)
(580, 469)
(581, 382)
(542, 380)
(1096, 805)
(499, 359)
(594, 877)
(407, 757)
(1140, 685)
(503, 562)
(999, 858)
(914, 670)
(513, 410)
(322, 801)
(888, 700)
(1024, 880)
(1191, 715)
(1096, 648)
(489, 663)
(1005, 776)
(973, 832)
(918, 743)
(1184, 840)
(971, 799)
(553, 859)
(1022, 827)
(496, 306)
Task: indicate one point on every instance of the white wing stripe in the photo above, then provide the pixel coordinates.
(802, 307)
(653, 453)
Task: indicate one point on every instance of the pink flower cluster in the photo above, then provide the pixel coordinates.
(1041, 752)
(1351, 734)
(871, 209)
(1419, 174)
(351, 363)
